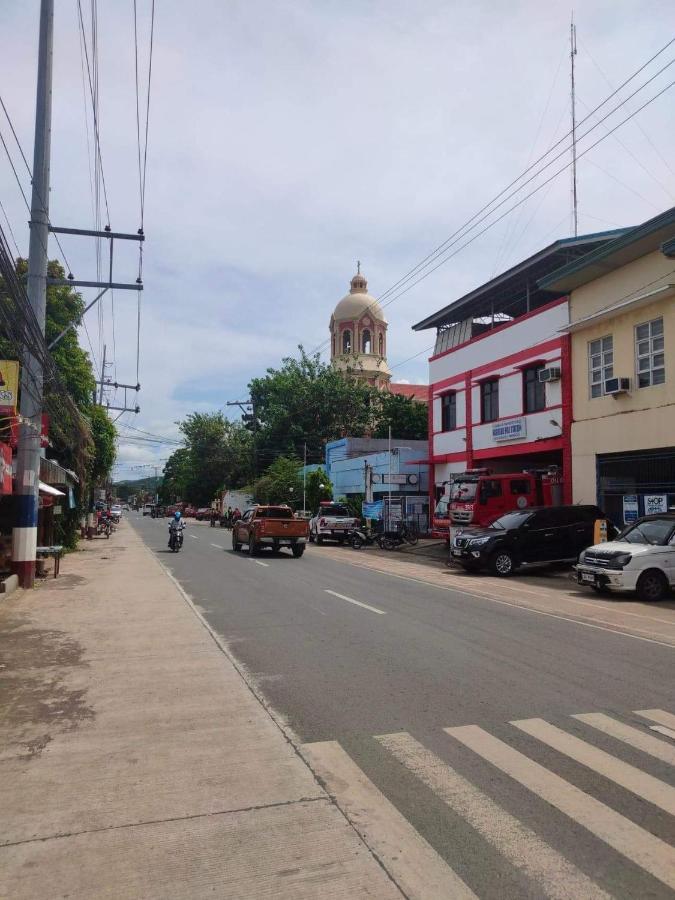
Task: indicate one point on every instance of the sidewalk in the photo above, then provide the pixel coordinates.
(136, 761)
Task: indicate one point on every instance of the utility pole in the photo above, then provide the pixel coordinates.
(24, 534)
(573, 53)
(389, 510)
(304, 481)
(100, 396)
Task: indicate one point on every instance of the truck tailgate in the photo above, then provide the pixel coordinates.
(283, 528)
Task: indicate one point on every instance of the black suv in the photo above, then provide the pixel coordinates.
(537, 535)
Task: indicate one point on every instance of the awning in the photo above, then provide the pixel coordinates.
(48, 489)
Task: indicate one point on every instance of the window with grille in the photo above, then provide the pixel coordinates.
(600, 364)
(489, 400)
(449, 412)
(650, 358)
(534, 391)
(346, 341)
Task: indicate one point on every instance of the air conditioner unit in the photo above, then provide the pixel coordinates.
(614, 386)
(550, 373)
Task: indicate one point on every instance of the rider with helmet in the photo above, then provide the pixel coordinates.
(176, 525)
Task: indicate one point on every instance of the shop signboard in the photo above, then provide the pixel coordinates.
(372, 510)
(9, 386)
(655, 503)
(630, 508)
(6, 464)
(509, 429)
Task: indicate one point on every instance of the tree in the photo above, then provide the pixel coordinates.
(408, 418)
(176, 476)
(307, 401)
(315, 492)
(281, 483)
(103, 434)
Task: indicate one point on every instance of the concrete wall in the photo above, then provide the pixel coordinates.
(644, 418)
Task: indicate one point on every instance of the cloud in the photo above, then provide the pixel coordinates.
(289, 139)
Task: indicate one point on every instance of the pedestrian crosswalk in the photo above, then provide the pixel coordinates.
(641, 830)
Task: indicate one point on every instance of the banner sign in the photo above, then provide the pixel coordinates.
(372, 510)
(9, 386)
(655, 503)
(509, 430)
(6, 469)
(630, 508)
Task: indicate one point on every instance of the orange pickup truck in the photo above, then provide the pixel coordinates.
(270, 526)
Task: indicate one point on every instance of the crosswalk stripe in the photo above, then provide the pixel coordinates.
(555, 876)
(657, 715)
(629, 735)
(640, 783)
(412, 863)
(646, 850)
(661, 729)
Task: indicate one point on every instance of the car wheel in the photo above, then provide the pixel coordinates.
(652, 586)
(311, 537)
(298, 550)
(236, 546)
(502, 563)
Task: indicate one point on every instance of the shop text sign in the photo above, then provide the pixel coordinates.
(630, 508)
(655, 503)
(509, 430)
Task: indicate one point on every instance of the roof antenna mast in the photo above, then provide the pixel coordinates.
(573, 53)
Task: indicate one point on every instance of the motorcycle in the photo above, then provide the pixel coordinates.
(404, 534)
(175, 537)
(360, 537)
(104, 526)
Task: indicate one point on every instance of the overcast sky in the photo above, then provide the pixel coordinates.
(288, 139)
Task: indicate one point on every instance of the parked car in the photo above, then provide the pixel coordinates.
(204, 512)
(190, 512)
(333, 521)
(270, 526)
(641, 558)
(148, 508)
(116, 511)
(544, 534)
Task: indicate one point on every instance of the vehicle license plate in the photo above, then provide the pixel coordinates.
(456, 552)
(588, 577)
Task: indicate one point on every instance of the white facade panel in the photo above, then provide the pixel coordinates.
(517, 337)
(443, 471)
(450, 442)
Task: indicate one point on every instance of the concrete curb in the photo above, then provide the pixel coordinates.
(9, 585)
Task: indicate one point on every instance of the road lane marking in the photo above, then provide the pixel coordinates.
(194, 537)
(411, 862)
(634, 780)
(218, 546)
(657, 715)
(629, 735)
(554, 875)
(663, 730)
(644, 849)
(258, 562)
(380, 612)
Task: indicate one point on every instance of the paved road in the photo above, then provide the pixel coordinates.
(448, 727)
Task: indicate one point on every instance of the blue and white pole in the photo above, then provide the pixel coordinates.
(24, 535)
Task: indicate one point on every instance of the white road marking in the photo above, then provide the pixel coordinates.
(411, 862)
(554, 876)
(634, 780)
(380, 612)
(258, 562)
(663, 730)
(644, 849)
(218, 546)
(194, 537)
(657, 715)
(613, 629)
(630, 735)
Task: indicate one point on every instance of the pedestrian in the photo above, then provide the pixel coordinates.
(236, 515)
(213, 516)
(228, 517)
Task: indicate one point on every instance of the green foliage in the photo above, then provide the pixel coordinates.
(353, 504)
(315, 493)
(103, 434)
(307, 401)
(281, 483)
(408, 418)
(176, 476)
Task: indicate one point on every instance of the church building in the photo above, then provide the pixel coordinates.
(358, 329)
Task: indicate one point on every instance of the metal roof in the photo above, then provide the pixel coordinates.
(517, 289)
(636, 242)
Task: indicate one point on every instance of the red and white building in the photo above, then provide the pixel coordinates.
(489, 406)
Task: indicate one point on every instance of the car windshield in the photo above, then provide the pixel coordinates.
(334, 510)
(651, 531)
(274, 512)
(511, 520)
(463, 491)
(441, 509)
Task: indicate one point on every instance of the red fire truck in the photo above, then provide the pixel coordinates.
(479, 496)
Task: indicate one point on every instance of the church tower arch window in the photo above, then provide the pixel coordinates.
(366, 341)
(346, 341)
(380, 345)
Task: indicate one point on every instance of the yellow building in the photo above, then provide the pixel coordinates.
(622, 331)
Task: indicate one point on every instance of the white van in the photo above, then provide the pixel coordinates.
(147, 509)
(641, 558)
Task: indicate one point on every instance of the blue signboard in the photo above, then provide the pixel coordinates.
(509, 429)
(372, 510)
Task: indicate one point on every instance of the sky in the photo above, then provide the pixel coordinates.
(289, 138)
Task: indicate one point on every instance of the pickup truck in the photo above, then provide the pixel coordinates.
(333, 521)
(270, 526)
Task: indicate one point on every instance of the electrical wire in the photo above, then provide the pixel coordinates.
(9, 226)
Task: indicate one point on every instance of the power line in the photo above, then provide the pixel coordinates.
(9, 226)
(486, 210)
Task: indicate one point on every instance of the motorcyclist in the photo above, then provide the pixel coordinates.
(176, 524)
